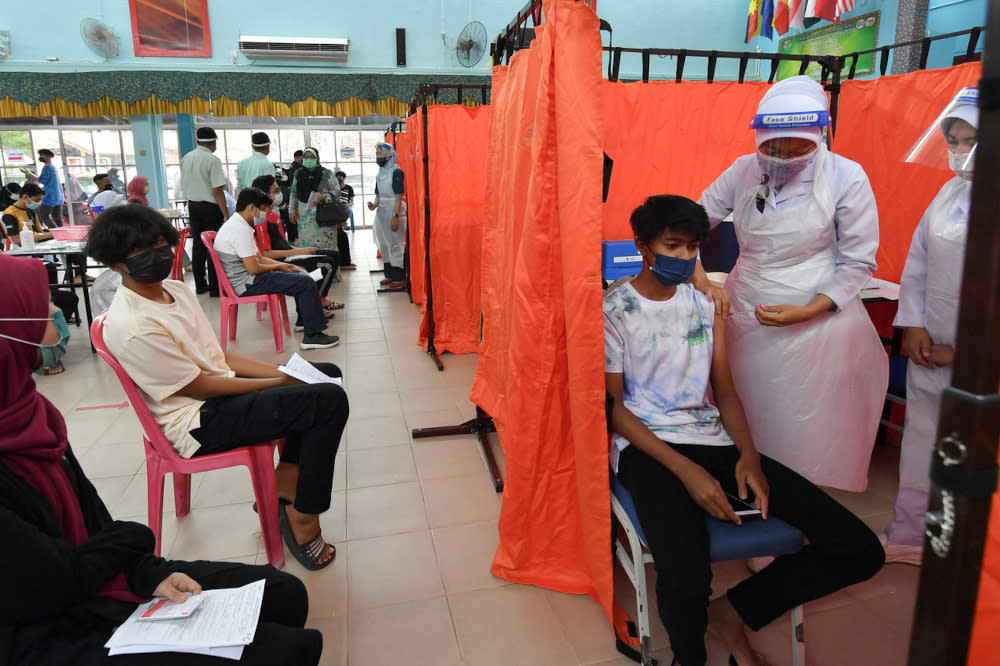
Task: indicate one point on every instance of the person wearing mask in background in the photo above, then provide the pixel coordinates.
(251, 274)
(390, 226)
(346, 196)
(928, 313)
(309, 258)
(71, 573)
(9, 193)
(313, 183)
(256, 164)
(295, 165)
(23, 215)
(99, 180)
(106, 196)
(203, 180)
(137, 190)
(806, 359)
(117, 184)
(51, 210)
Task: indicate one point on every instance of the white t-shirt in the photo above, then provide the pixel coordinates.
(664, 349)
(234, 242)
(163, 348)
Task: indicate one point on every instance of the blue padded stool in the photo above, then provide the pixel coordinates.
(729, 541)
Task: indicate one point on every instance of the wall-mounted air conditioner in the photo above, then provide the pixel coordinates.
(296, 48)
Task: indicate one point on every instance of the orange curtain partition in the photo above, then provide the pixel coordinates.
(540, 372)
(411, 152)
(457, 140)
(879, 121)
(671, 138)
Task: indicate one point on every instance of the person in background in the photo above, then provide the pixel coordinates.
(309, 258)
(806, 359)
(23, 215)
(106, 196)
(51, 210)
(9, 193)
(137, 190)
(313, 183)
(203, 180)
(390, 227)
(71, 572)
(928, 312)
(256, 164)
(346, 196)
(251, 274)
(117, 184)
(99, 181)
(296, 164)
(682, 447)
(208, 400)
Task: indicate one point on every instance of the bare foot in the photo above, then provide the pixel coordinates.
(727, 624)
(305, 528)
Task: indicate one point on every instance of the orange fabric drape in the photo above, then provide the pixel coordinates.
(540, 371)
(411, 162)
(457, 139)
(671, 138)
(986, 626)
(878, 122)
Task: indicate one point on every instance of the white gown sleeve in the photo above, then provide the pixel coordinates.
(913, 285)
(856, 219)
(719, 198)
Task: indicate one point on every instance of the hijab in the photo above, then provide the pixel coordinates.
(309, 180)
(390, 156)
(33, 437)
(137, 190)
(798, 94)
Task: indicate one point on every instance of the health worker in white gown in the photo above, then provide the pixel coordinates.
(928, 311)
(806, 359)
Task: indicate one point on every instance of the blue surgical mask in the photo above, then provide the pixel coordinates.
(672, 271)
(35, 205)
(50, 354)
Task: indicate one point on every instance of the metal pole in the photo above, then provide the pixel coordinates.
(431, 351)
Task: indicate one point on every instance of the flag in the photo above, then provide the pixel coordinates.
(766, 18)
(824, 9)
(844, 6)
(781, 8)
(797, 14)
(753, 20)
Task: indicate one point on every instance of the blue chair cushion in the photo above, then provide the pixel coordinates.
(897, 376)
(729, 541)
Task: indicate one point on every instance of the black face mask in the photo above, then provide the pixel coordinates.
(381, 161)
(153, 265)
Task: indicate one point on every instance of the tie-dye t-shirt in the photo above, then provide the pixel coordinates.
(664, 349)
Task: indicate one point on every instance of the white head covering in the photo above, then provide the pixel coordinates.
(967, 112)
(798, 94)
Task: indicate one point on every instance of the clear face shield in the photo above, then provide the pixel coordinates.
(950, 141)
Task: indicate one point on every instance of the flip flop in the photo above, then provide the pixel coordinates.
(334, 305)
(57, 369)
(307, 554)
(281, 503)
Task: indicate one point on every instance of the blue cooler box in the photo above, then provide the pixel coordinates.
(619, 258)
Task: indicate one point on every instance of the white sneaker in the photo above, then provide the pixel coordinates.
(900, 553)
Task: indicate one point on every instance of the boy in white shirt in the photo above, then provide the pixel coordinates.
(250, 273)
(679, 454)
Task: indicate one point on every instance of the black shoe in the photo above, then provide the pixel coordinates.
(299, 326)
(319, 341)
(213, 294)
(201, 290)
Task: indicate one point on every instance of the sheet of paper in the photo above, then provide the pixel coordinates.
(877, 288)
(234, 652)
(314, 198)
(306, 372)
(316, 275)
(226, 617)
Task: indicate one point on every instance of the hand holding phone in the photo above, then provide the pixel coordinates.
(744, 508)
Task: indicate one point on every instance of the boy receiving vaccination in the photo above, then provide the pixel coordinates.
(679, 454)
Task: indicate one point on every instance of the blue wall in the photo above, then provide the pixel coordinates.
(707, 24)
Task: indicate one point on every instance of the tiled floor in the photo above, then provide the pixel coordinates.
(414, 521)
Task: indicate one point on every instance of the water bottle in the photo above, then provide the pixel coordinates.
(27, 239)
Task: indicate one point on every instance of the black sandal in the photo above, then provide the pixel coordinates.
(281, 502)
(307, 554)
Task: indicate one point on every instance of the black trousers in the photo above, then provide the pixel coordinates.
(310, 416)
(280, 640)
(204, 217)
(842, 550)
(344, 245)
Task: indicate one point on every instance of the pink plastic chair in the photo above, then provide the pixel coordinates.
(229, 302)
(178, 272)
(162, 458)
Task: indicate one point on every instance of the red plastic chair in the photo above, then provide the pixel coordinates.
(178, 272)
(229, 302)
(162, 458)
(262, 237)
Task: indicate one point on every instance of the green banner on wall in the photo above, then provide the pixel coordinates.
(850, 36)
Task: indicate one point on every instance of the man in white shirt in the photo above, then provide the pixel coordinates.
(208, 400)
(203, 179)
(106, 196)
(256, 164)
(250, 273)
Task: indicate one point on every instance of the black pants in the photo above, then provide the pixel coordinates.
(842, 550)
(51, 216)
(204, 217)
(280, 640)
(326, 260)
(310, 416)
(344, 245)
